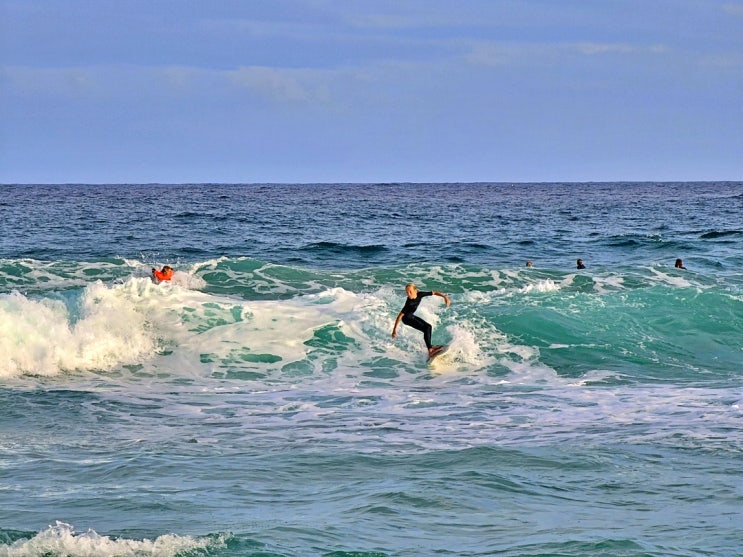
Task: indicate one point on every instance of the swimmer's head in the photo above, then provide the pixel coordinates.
(411, 290)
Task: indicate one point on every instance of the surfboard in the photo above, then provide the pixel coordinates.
(444, 349)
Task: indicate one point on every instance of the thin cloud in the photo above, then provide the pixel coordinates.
(733, 9)
(261, 29)
(399, 22)
(63, 81)
(279, 85)
(592, 49)
(731, 62)
(498, 54)
(272, 83)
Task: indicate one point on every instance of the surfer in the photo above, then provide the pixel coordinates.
(680, 264)
(159, 276)
(579, 264)
(407, 316)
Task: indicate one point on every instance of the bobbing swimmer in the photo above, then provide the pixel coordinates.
(407, 316)
(165, 274)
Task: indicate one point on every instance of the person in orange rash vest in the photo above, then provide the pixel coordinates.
(165, 274)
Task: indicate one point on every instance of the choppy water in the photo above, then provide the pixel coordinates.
(259, 406)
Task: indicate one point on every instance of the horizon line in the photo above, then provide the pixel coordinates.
(365, 183)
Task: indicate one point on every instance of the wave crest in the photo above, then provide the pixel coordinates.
(61, 539)
(99, 330)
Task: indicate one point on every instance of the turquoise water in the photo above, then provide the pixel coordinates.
(258, 405)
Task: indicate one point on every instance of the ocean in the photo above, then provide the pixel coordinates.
(257, 405)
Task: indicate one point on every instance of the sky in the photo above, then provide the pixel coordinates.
(307, 91)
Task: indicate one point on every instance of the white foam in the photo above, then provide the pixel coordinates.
(38, 336)
(172, 327)
(188, 280)
(47, 276)
(674, 280)
(605, 285)
(540, 286)
(61, 539)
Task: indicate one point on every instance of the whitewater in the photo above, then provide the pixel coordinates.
(258, 405)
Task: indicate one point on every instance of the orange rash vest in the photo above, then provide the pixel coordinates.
(159, 275)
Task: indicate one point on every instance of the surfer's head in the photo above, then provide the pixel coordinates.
(411, 290)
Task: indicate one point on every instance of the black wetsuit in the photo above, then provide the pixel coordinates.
(412, 320)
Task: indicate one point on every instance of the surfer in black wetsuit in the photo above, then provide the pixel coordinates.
(407, 315)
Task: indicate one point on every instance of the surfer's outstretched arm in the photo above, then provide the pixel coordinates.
(444, 296)
(397, 322)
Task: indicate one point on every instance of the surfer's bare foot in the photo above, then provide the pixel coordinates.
(434, 350)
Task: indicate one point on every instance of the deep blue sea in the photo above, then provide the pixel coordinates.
(257, 405)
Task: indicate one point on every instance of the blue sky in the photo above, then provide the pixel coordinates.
(170, 91)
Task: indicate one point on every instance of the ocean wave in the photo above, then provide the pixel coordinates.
(474, 245)
(245, 318)
(343, 248)
(99, 330)
(61, 540)
(623, 242)
(254, 278)
(629, 241)
(713, 235)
